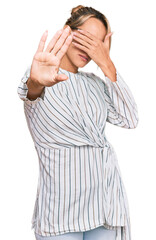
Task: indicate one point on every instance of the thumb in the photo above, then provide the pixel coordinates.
(108, 35)
(107, 39)
(61, 77)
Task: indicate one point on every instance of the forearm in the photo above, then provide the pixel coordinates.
(34, 90)
(122, 103)
(109, 70)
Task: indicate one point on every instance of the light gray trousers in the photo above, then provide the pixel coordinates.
(99, 233)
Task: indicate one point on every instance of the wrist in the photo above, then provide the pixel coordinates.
(35, 84)
(109, 70)
(106, 64)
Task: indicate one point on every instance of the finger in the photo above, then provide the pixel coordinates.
(86, 33)
(83, 37)
(61, 41)
(54, 40)
(85, 49)
(42, 42)
(107, 39)
(65, 46)
(108, 36)
(81, 41)
(61, 77)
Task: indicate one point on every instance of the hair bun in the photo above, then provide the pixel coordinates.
(75, 9)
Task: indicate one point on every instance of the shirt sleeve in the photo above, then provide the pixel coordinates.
(22, 89)
(122, 109)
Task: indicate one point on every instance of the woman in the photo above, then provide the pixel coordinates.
(80, 192)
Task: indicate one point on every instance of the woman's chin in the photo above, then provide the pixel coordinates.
(82, 63)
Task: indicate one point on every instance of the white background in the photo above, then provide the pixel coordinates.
(133, 52)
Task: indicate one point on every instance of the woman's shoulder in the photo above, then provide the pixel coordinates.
(93, 76)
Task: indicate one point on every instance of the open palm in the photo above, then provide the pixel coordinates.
(45, 64)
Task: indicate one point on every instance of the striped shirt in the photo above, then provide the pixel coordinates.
(80, 185)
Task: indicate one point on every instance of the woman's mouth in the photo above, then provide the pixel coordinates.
(84, 58)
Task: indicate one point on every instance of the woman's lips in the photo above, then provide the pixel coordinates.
(84, 58)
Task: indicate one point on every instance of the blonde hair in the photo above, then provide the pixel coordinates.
(81, 13)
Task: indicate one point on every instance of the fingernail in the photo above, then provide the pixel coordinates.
(66, 28)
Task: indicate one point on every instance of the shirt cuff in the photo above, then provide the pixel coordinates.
(23, 89)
